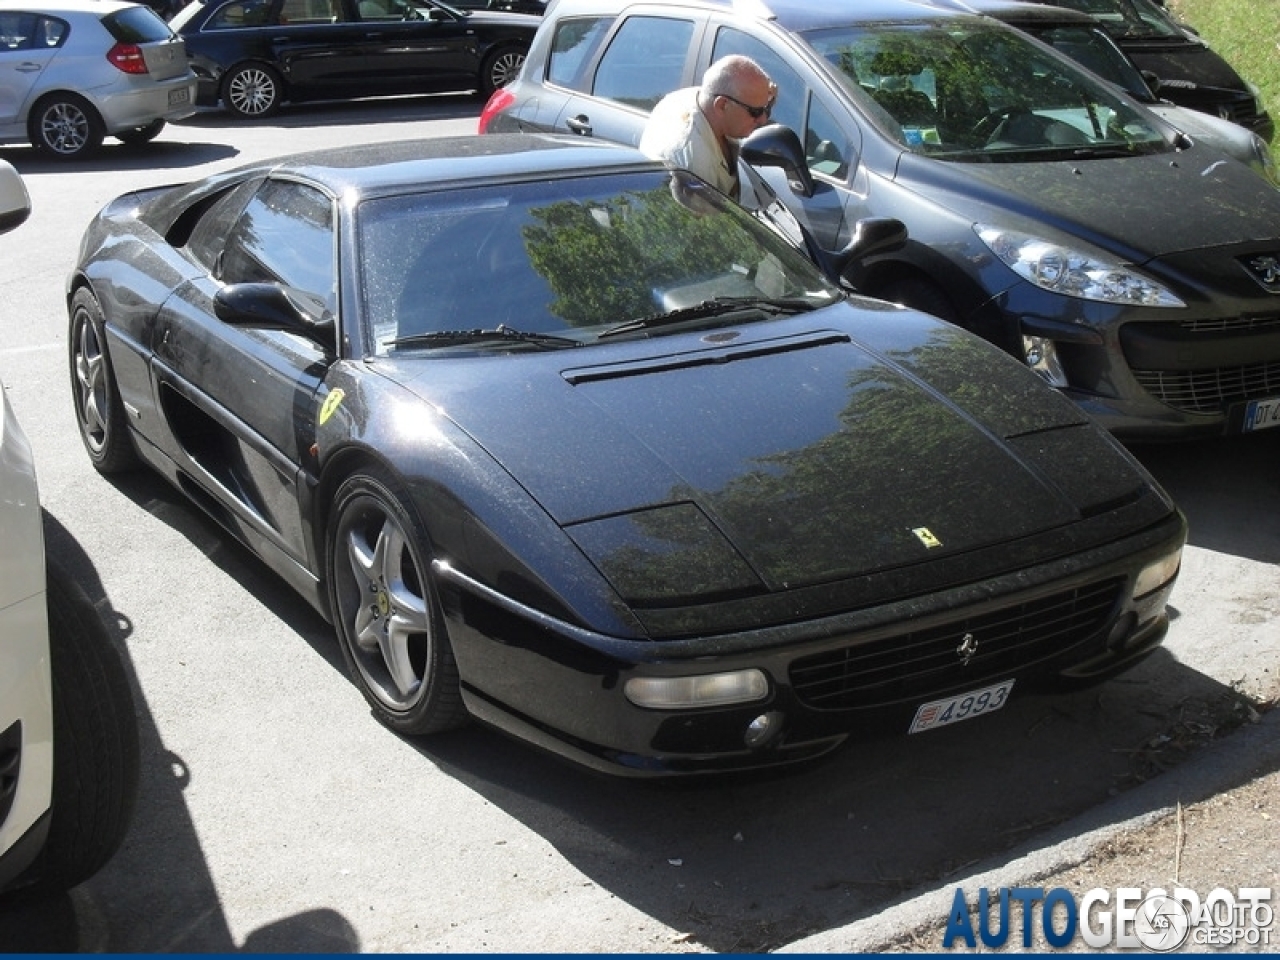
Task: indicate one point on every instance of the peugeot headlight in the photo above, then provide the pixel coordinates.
(1074, 271)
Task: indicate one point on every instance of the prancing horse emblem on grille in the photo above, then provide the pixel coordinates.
(1266, 270)
(968, 647)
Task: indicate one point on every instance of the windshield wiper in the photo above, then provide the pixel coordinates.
(716, 306)
(500, 334)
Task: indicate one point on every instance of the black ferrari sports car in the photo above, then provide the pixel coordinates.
(566, 442)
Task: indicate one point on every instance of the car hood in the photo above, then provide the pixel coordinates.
(768, 463)
(1120, 204)
(1189, 64)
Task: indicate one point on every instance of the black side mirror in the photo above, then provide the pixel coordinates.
(271, 306)
(776, 145)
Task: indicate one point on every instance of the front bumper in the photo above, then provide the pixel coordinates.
(561, 688)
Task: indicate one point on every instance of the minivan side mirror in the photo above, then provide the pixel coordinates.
(776, 145)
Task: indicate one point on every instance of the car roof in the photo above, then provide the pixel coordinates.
(98, 8)
(795, 15)
(1021, 13)
(395, 166)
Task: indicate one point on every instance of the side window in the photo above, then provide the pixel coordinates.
(311, 11)
(573, 47)
(826, 146)
(17, 30)
(240, 13)
(285, 235)
(645, 61)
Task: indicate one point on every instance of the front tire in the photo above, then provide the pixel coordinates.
(385, 609)
(100, 412)
(96, 753)
(252, 90)
(66, 126)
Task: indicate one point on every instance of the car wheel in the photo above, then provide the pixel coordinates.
(99, 409)
(919, 294)
(385, 609)
(500, 68)
(252, 90)
(96, 755)
(140, 135)
(66, 126)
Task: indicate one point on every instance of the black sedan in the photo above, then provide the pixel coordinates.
(253, 55)
(566, 442)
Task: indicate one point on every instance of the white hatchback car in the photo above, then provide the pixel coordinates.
(75, 71)
(69, 752)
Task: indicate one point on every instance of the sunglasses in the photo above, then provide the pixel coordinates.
(755, 112)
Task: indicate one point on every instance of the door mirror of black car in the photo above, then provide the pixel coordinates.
(1153, 82)
(776, 145)
(272, 306)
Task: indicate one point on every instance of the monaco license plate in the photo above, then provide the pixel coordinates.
(178, 96)
(965, 706)
(1260, 414)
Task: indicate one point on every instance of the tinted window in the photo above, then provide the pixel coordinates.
(285, 235)
(645, 60)
(573, 47)
(137, 25)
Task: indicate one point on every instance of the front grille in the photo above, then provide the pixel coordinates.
(1211, 391)
(1231, 324)
(921, 664)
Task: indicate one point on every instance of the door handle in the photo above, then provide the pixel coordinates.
(581, 124)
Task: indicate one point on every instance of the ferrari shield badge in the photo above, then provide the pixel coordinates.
(925, 536)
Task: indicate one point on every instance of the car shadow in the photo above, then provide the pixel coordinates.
(162, 845)
(165, 154)
(1228, 488)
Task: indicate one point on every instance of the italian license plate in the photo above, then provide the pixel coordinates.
(179, 95)
(1260, 414)
(965, 706)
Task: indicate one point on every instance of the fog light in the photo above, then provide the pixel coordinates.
(708, 690)
(763, 729)
(1041, 355)
(1155, 575)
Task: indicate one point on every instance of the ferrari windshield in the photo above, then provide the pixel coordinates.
(556, 263)
(969, 90)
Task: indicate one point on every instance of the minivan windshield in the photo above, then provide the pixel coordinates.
(969, 90)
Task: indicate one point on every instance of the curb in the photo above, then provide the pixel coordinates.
(1234, 761)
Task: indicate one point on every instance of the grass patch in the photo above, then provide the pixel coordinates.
(1245, 33)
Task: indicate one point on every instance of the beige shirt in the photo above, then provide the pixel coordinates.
(679, 134)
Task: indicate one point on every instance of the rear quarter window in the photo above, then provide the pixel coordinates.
(573, 48)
